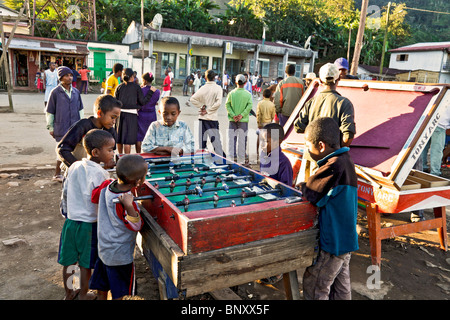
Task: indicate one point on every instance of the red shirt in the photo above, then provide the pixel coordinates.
(83, 73)
(166, 81)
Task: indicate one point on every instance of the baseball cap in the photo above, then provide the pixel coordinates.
(328, 71)
(310, 76)
(341, 63)
(240, 77)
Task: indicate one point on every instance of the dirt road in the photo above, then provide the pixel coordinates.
(413, 266)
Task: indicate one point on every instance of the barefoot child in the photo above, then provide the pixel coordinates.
(169, 136)
(118, 224)
(79, 234)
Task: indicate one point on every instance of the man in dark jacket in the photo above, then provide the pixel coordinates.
(64, 108)
(333, 189)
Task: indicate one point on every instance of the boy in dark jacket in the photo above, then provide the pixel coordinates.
(333, 189)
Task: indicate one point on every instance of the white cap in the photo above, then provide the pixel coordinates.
(310, 76)
(328, 71)
(240, 77)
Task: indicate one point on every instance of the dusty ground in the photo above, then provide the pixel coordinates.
(413, 266)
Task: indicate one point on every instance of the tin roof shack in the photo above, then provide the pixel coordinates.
(429, 60)
(22, 26)
(28, 55)
(187, 52)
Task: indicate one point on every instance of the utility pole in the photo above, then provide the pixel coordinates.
(359, 37)
(142, 35)
(4, 59)
(385, 39)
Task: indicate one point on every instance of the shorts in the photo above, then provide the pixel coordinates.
(121, 280)
(78, 244)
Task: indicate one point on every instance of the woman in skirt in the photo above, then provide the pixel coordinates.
(147, 114)
(132, 98)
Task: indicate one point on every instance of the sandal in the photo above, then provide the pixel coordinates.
(58, 178)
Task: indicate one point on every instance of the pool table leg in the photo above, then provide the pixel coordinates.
(442, 231)
(373, 220)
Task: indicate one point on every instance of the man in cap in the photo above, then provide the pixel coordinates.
(64, 108)
(327, 103)
(342, 65)
(310, 76)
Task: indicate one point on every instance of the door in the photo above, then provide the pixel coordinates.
(99, 65)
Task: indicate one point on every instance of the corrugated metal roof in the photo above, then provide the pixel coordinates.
(424, 46)
(50, 45)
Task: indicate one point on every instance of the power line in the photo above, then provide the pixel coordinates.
(426, 10)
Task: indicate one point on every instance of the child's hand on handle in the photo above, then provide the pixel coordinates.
(126, 199)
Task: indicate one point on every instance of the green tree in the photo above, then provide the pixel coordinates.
(239, 21)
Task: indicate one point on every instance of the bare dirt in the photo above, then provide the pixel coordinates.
(413, 266)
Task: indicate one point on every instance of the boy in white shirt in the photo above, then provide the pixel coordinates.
(78, 242)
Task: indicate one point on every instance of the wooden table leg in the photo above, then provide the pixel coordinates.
(291, 288)
(373, 220)
(442, 231)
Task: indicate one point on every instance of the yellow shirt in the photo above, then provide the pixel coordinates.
(265, 112)
(111, 84)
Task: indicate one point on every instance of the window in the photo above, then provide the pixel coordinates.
(280, 73)
(167, 60)
(217, 65)
(298, 71)
(199, 63)
(402, 57)
(181, 66)
(264, 68)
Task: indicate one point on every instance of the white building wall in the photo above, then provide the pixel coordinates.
(422, 60)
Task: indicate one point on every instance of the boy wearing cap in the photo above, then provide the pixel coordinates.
(239, 104)
(328, 103)
(64, 108)
(342, 65)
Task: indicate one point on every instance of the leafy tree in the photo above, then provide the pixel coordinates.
(239, 21)
(192, 15)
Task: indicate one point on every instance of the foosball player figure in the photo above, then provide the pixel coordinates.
(199, 190)
(188, 183)
(218, 180)
(233, 204)
(203, 181)
(156, 185)
(225, 187)
(186, 203)
(216, 199)
(172, 185)
(243, 196)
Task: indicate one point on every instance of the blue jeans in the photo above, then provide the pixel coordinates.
(436, 146)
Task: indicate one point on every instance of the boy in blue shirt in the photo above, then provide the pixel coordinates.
(333, 189)
(273, 162)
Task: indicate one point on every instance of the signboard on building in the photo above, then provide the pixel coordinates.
(228, 47)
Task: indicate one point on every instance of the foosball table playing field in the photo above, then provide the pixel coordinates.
(211, 224)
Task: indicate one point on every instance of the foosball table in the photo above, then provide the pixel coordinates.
(394, 122)
(212, 224)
